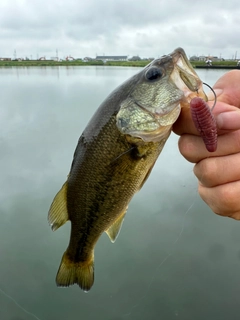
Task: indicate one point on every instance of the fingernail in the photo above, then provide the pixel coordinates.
(228, 120)
(211, 96)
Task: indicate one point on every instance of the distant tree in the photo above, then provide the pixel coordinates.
(135, 58)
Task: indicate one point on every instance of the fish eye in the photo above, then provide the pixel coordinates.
(153, 73)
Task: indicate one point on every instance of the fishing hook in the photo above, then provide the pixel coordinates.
(215, 97)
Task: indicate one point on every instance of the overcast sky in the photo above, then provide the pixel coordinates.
(80, 28)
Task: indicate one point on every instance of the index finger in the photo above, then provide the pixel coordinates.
(184, 123)
(194, 150)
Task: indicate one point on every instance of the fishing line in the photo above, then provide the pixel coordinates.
(215, 96)
(18, 305)
(130, 149)
(163, 261)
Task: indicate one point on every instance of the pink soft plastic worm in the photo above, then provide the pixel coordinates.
(204, 122)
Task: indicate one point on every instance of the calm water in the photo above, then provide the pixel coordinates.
(174, 259)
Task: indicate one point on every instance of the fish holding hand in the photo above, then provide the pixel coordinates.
(114, 157)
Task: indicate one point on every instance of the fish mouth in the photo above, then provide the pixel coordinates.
(151, 122)
(185, 77)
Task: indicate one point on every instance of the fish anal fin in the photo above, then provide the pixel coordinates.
(81, 273)
(114, 230)
(58, 214)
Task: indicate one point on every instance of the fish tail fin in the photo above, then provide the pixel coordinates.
(81, 273)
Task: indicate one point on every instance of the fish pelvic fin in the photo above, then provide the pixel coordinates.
(114, 230)
(71, 272)
(58, 213)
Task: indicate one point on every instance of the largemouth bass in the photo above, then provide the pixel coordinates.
(114, 157)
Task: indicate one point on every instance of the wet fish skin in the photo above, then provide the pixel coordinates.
(114, 157)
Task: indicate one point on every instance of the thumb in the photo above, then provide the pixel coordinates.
(228, 88)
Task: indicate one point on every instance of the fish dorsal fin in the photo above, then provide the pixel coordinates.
(115, 228)
(58, 214)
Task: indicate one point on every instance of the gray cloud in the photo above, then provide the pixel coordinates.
(147, 28)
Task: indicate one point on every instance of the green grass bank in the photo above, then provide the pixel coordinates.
(142, 63)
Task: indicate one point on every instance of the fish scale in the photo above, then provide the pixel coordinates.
(114, 157)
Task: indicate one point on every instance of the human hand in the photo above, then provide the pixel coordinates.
(218, 173)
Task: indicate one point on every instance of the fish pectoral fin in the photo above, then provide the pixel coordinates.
(115, 228)
(58, 214)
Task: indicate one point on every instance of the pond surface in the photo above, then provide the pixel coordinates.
(174, 259)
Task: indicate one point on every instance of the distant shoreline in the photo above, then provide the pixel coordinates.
(80, 63)
(141, 63)
(218, 67)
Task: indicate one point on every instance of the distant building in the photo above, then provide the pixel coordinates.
(5, 59)
(194, 58)
(112, 58)
(214, 58)
(205, 58)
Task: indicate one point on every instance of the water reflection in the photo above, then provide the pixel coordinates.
(173, 258)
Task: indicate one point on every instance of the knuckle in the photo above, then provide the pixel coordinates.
(187, 147)
(207, 171)
(223, 200)
(228, 197)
